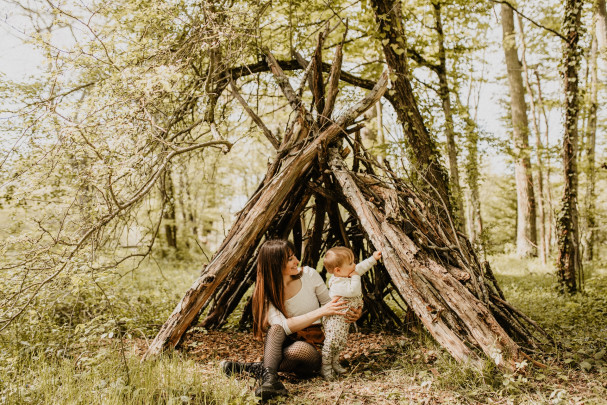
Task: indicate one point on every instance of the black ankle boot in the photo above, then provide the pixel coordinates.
(236, 367)
(270, 385)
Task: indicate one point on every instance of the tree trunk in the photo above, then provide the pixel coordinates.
(526, 236)
(569, 264)
(591, 223)
(445, 94)
(549, 230)
(601, 25)
(423, 152)
(189, 211)
(168, 217)
(538, 148)
(381, 137)
(475, 221)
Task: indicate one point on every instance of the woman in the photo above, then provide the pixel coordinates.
(289, 302)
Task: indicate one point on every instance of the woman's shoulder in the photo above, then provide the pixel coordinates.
(309, 272)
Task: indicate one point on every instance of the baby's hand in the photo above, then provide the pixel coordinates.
(377, 255)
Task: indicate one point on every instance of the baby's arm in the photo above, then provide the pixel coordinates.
(365, 265)
(346, 286)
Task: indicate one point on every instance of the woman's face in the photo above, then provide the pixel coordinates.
(291, 268)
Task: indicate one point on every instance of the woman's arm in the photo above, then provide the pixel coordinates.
(320, 294)
(333, 307)
(320, 288)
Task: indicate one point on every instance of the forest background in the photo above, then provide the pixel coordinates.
(120, 174)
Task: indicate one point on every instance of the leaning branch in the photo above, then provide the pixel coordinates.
(254, 116)
(507, 3)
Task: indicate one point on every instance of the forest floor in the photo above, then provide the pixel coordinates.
(52, 361)
(387, 368)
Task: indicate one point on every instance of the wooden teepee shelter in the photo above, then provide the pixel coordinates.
(425, 260)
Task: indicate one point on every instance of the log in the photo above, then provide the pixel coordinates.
(449, 311)
(311, 254)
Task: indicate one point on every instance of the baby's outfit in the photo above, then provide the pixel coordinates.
(336, 327)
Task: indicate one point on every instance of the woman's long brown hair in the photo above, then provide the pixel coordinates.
(269, 287)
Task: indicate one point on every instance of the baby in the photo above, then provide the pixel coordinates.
(345, 283)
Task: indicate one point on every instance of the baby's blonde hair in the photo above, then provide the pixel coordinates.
(337, 257)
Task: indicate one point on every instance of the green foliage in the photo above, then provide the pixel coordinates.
(498, 209)
(66, 347)
(70, 352)
(126, 303)
(101, 378)
(575, 321)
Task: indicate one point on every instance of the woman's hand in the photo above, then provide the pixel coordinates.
(354, 314)
(334, 307)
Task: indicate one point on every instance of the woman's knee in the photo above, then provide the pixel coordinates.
(304, 352)
(276, 331)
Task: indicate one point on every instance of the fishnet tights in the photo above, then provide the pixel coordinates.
(299, 357)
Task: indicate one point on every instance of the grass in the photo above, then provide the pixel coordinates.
(81, 362)
(105, 380)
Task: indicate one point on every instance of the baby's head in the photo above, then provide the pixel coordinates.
(339, 261)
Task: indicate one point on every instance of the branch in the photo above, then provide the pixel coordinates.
(65, 93)
(307, 66)
(332, 87)
(294, 100)
(416, 56)
(558, 34)
(318, 86)
(293, 64)
(86, 24)
(254, 116)
(283, 81)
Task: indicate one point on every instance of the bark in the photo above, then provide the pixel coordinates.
(423, 151)
(381, 138)
(312, 250)
(526, 236)
(444, 94)
(538, 149)
(569, 266)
